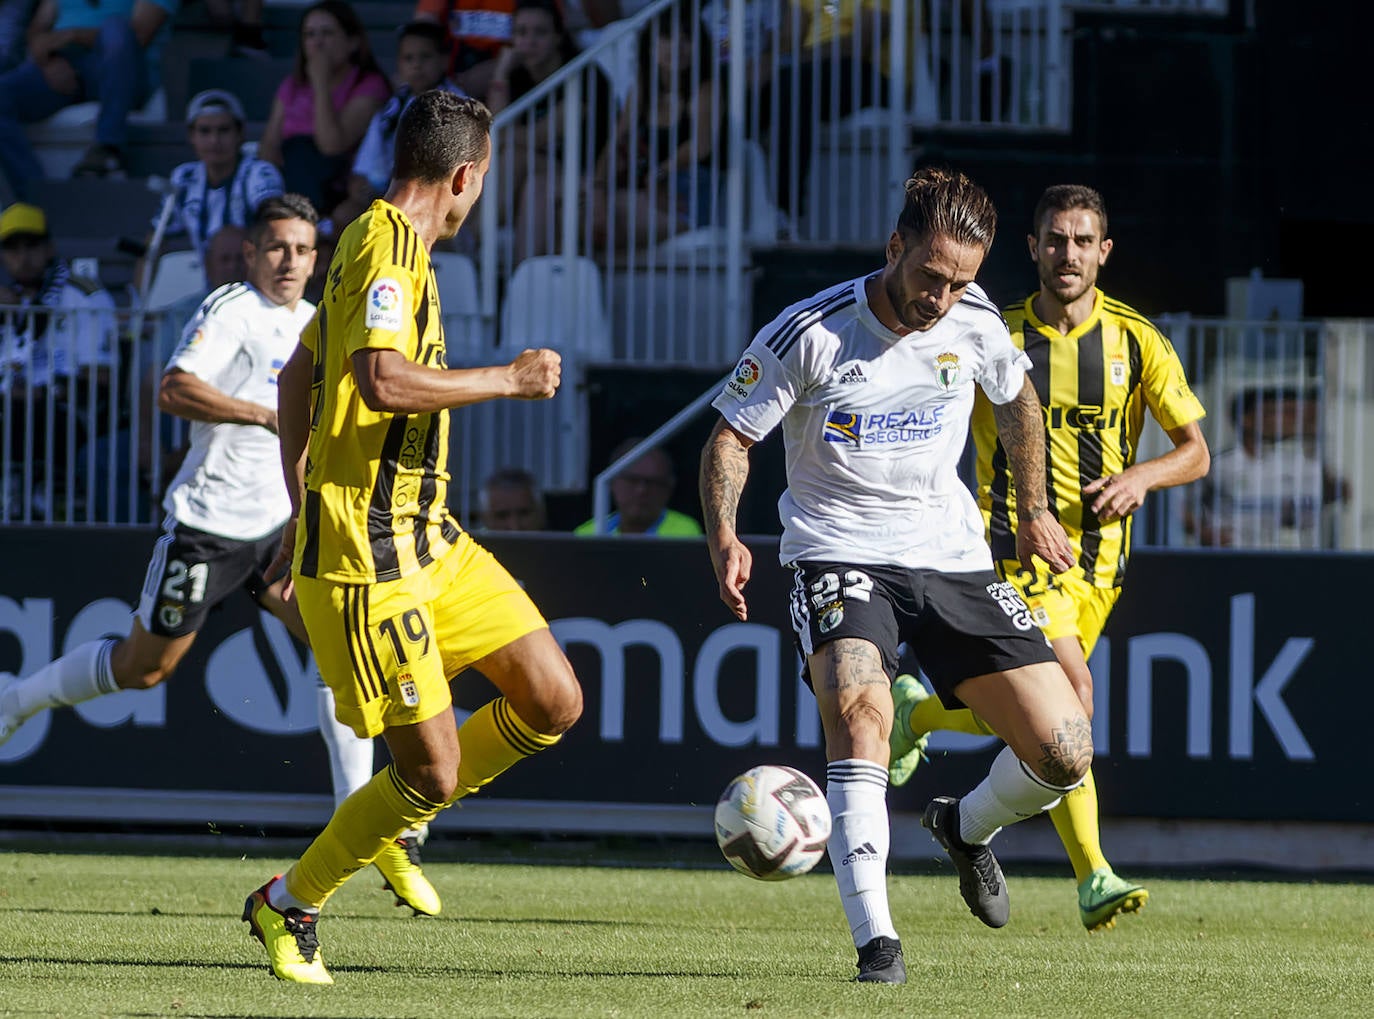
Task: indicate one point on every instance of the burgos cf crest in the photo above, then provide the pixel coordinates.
(746, 377)
(947, 370)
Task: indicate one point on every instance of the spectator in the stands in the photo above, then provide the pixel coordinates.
(511, 501)
(224, 262)
(14, 21)
(322, 109)
(220, 186)
(841, 66)
(82, 50)
(531, 163)
(58, 352)
(478, 30)
(421, 64)
(1274, 487)
(663, 151)
(640, 494)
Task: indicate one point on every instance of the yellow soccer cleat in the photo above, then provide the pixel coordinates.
(1103, 895)
(293, 948)
(907, 750)
(399, 863)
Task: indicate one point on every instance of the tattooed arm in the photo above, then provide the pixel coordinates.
(724, 469)
(1021, 429)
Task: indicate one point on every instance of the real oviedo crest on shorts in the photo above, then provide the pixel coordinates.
(947, 370)
(746, 377)
(385, 305)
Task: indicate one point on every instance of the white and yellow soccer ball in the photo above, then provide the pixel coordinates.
(772, 823)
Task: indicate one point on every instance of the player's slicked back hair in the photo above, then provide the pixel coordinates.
(1064, 197)
(438, 133)
(287, 206)
(941, 201)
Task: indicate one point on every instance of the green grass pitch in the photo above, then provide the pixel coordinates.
(87, 933)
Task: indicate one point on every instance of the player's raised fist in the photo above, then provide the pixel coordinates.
(535, 374)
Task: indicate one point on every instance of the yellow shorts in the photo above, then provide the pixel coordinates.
(389, 650)
(1063, 605)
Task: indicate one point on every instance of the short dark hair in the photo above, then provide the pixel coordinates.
(1062, 198)
(287, 206)
(512, 477)
(942, 201)
(430, 31)
(438, 133)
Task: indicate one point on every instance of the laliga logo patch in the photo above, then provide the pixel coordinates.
(947, 370)
(384, 302)
(747, 375)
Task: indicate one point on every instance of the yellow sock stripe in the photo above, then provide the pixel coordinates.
(515, 732)
(409, 794)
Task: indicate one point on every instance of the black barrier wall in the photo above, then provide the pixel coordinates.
(1226, 685)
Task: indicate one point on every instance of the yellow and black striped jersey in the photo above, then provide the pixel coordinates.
(376, 483)
(1094, 385)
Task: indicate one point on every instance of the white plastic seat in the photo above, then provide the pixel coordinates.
(556, 301)
(179, 275)
(460, 299)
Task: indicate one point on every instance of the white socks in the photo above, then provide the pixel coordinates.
(1010, 793)
(350, 758)
(81, 675)
(859, 838)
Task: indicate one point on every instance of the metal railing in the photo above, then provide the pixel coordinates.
(1290, 412)
(692, 132)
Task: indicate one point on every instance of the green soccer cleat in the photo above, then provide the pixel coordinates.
(1103, 895)
(906, 749)
(293, 948)
(399, 863)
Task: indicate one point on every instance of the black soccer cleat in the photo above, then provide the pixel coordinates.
(980, 878)
(881, 962)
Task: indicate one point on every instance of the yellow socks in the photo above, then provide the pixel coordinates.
(492, 739)
(1075, 819)
(362, 825)
(930, 715)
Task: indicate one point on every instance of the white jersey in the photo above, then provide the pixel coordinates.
(201, 211)
(873, 426)
(231, 481)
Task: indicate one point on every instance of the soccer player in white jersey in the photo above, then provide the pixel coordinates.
(872, 382)
(226, 507)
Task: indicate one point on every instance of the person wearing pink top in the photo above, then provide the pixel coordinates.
(322, 109)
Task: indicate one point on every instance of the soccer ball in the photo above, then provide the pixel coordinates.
(772, 823)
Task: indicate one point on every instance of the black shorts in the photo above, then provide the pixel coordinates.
(959, 625)
(193, 571)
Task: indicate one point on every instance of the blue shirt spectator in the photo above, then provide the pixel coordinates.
(83, 50)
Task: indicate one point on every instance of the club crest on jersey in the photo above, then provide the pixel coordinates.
(947, 370)
(1118, 371)
(747, 375)
(410, 694)
(831, 616)
(384, 305)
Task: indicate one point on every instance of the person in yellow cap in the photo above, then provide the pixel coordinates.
(40, 352)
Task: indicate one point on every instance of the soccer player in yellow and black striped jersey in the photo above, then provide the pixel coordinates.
(1097, 366)
(396, 597)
